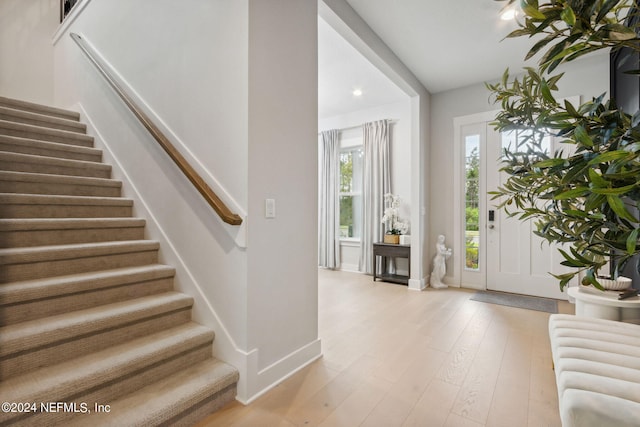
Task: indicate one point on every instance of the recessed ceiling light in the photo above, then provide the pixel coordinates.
(357, 92)
(508, 14)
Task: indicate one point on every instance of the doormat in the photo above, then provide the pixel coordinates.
(521, 301)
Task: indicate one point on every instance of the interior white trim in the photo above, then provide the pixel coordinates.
(72, 16)
(259, 382)
(418, 284)
(458, 159)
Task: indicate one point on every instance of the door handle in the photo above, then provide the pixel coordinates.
(491, 226)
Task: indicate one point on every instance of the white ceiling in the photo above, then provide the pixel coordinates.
(446, 44)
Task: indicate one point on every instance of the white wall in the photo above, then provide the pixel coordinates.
(26, 53)
(400, 138)
(589, 77)
(221, 81)
(283, 157)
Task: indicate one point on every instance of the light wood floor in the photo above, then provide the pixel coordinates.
(394, 357)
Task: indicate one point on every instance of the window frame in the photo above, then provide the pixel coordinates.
(351, 149)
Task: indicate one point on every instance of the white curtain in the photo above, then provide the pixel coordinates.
(376, 183)
(329, 202)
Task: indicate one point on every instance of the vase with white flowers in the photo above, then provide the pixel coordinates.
(394, 226)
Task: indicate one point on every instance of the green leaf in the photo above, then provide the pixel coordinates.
(597, 180)
(571, 110)
(582, 136)
(546, 92)
(589, 279)
(572, 194)
(609, 156)
(619, 208)
(530, 8)
(564, 279)
(569, 260)
(617, 191)
(549, 163)
(568, 16)
(620, 32)
(539, 45)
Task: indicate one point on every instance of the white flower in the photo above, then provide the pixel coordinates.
(391, 217)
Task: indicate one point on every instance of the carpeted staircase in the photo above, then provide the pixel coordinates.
(87, 315)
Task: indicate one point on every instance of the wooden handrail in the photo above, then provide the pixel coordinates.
(209, 195)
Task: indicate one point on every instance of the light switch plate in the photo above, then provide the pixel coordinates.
(270, 208)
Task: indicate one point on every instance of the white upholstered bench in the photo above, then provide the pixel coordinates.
(597, 367)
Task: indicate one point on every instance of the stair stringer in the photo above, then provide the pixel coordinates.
(225, 346)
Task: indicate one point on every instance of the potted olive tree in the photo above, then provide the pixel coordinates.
(584, 195)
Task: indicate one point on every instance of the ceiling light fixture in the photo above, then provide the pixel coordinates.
(357, 92)
(508, 14)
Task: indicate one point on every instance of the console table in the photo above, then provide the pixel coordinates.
(388, 250)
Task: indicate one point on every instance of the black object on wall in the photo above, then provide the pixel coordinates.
(625, 89)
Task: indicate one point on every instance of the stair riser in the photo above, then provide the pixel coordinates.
(19, 239)
(80, 345)
(110, 392)
(60, 267)
(85, 141)
(30, 107)
(91, 172)
(200, 411)
(64, 211)
(26, 148)
(71, 127)
(61, 189)
(30, 310)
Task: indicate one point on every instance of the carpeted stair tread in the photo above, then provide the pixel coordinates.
(16, 144)
(169, 399)
(58, 179)
(34, 334)
(55, 199)
(36, 262)
(37, 183)
(42, 120)
(18, 162)
(38, 298)
(20, 224)
(45, 134)
(29, 232)
(36, 289)
(66, 380)
(80, 250)
(17, 205)
(39, 108)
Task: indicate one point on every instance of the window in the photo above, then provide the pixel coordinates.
(525, 141)
(351, 192)
(472, 202)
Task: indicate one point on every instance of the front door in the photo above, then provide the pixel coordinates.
(518, 261)
(500, 252)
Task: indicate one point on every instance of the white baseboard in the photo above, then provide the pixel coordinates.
(351, 268)
(418, 284)
(259, 381)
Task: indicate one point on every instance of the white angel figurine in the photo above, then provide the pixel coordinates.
(439, 265)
